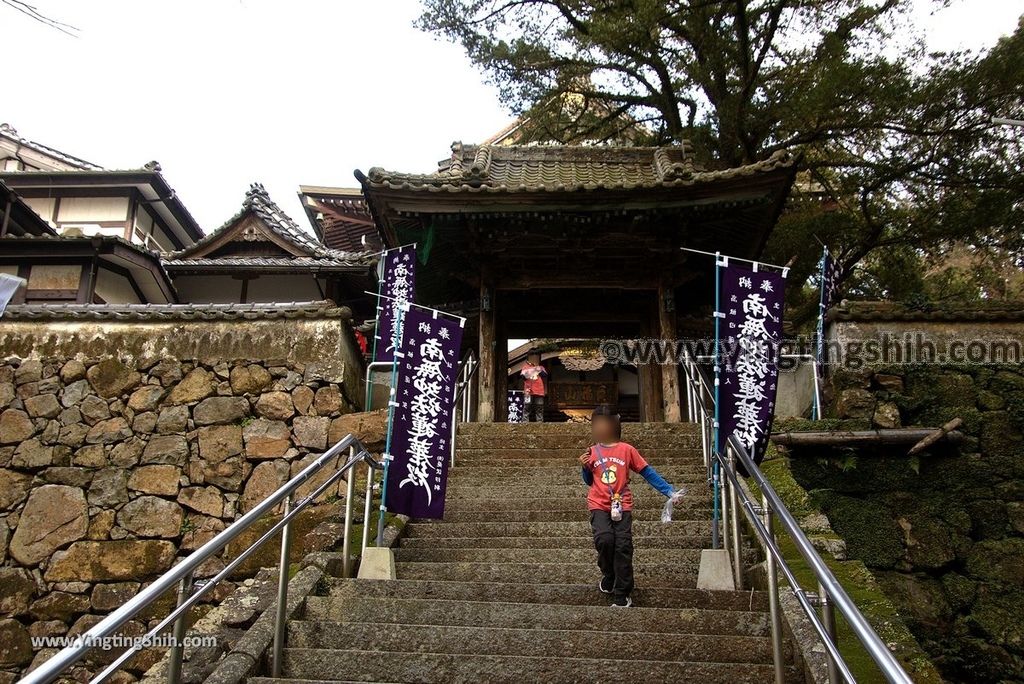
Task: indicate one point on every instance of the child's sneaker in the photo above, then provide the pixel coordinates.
(622, 602)
(606, 585)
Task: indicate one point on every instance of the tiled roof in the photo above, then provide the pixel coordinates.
(23, 220)
(258, 201)
(340, 217)
(158, 312)
(894, 311)
(499, 168)
(8, 131)
(148, 180)
(342, 260)
(95, 240)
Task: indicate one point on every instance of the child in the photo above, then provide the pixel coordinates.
(534, 390)
(606, 467)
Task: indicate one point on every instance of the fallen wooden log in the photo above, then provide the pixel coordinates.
(851, 438)
(935, 436)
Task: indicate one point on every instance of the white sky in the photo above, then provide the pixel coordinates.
(226, 92)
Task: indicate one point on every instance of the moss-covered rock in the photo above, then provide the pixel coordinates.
(920, 599)
(988, 519)
(998, 561)
(929, 542)
(997, 615)
(960, 590)
(1010, 386)
(870, 532)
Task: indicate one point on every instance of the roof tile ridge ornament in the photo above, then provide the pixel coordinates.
(669, 170)
(481, 164)
(455, 170)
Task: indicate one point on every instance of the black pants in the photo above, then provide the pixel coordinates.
(534, 409)
(614, 543)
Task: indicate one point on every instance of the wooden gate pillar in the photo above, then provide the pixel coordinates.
(649, 375)
(488, 343)
(670, 395)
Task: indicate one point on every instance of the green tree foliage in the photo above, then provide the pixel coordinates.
(901, 163)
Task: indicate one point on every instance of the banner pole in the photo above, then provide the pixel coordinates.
(392, 399)
(373, 353)
(439, 312)
(755, 264)
(816, 406)
(716, 465)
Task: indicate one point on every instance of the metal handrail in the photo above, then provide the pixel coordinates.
(181, 575)
(368, 380)
(467, 371)
(468, 367)
(735, 497)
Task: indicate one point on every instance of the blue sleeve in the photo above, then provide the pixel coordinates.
(588, 477)
(656, 481)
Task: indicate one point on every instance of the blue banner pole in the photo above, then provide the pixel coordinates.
(392, 399)
(815, 406)
(716, 466)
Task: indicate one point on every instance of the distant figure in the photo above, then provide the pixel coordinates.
(534, 388)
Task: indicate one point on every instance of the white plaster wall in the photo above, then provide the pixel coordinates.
(114, 288)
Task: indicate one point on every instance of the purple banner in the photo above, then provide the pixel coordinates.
(397, 288)
(751, 333)
(829, 280)
(428, 364)
(516, 414)
(828, 283)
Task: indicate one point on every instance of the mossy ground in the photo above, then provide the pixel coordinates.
(859, 584)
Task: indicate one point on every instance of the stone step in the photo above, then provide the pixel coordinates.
(526, 555)
(561, 594)
(430, 611)
(524, 496)
(567, 514)
(629, 430)
(309, 664)
(458, 505)
(673, 575)
(293, 680)
(506, 450)
(684, 464)
(562, 472)
(473, 641)
(434, 530)
(690, 443)
(578, 542)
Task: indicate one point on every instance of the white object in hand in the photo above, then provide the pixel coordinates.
(677, 496)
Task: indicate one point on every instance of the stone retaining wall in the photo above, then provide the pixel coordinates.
(942, 532)
(112, 467)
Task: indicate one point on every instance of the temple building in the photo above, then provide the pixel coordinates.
(582, 243)
(565, 246)
(261, 255)
(82, 234)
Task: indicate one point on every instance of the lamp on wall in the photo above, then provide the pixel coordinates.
(485, 299)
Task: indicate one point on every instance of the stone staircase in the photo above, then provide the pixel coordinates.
(504, 588)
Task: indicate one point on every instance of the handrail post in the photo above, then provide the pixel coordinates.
(734, 505)
(368, 501)
(282, 592)
(828, 619)
(350, 492)
(180, 625)
(724, 507)
(773, 595)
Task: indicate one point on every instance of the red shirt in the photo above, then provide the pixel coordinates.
(533, 381)
(613, 475)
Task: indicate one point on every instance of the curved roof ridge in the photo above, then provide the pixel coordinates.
(526, 168)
